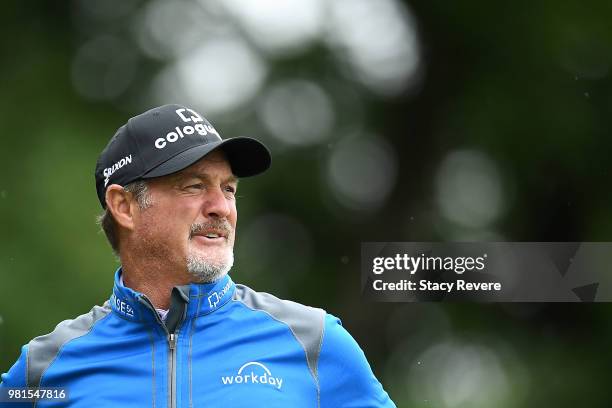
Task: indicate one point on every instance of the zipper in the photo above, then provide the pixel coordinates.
(172, 338)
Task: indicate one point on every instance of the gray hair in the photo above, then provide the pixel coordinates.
(107, 221)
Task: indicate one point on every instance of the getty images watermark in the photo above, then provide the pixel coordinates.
(489, 272)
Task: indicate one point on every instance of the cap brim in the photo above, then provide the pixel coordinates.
(247, 157)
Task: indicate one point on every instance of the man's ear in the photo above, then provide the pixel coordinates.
(121, 204)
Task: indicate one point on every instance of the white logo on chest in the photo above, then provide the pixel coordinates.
(255, 373)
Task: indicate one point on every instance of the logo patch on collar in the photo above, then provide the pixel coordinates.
(121, 306)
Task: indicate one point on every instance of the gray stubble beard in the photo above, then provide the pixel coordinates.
(204, 271)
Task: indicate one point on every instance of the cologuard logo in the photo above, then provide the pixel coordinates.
(180, 133)
(215, 297)
(255, 373)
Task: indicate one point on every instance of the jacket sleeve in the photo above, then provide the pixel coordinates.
(345, 377)
(15, 377)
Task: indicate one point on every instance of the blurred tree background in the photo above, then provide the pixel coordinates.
(388, 121)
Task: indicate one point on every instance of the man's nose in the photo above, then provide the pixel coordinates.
(216, 205)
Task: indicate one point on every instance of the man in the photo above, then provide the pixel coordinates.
(177, 332)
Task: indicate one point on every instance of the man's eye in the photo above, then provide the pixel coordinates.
(197, 186)
(230, 189)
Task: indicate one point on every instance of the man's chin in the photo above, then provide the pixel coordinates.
(213, 257)
(205, 269)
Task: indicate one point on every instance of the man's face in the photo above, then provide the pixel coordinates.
(191, 223)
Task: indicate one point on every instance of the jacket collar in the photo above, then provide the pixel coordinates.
(201, 299)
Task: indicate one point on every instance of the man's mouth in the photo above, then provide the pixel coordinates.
(216, 233)
(213, 236)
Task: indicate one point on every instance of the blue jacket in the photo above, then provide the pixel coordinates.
(222, 344)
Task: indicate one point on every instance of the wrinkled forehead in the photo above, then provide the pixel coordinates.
(213, 165)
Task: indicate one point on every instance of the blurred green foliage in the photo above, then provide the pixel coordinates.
(528, 84)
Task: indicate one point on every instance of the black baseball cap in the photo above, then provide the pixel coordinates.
(167, 139)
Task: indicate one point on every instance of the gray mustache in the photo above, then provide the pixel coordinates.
(221, 225)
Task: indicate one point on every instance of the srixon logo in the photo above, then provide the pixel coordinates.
(110, 170)
(253, 372)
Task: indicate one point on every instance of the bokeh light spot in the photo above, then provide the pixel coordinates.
(103, 68)
(454, 374)
(469, 189)
(219, 76)
(297, 112)
(279, 26)
(379, 42)
(361, 172)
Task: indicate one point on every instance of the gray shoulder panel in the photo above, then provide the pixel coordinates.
(306, 323)
(42, 350)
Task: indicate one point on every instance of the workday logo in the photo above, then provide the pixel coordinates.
(255, 373)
